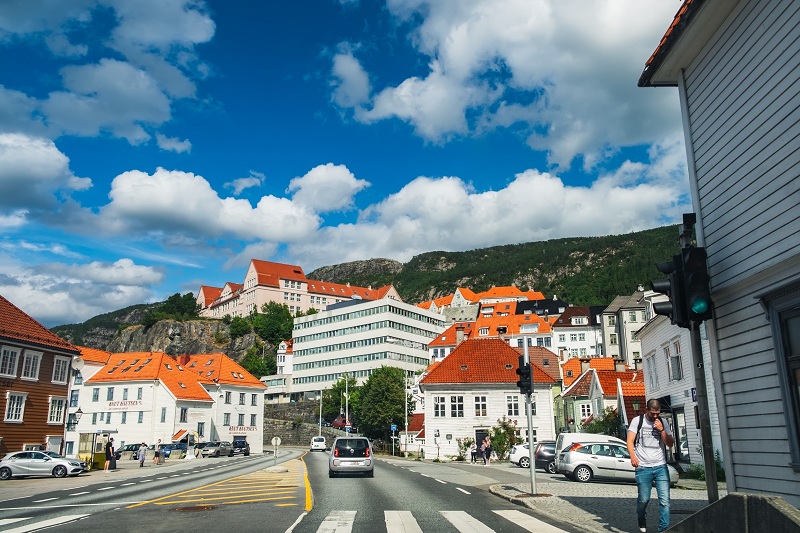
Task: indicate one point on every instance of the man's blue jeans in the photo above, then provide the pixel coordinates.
(645, 475)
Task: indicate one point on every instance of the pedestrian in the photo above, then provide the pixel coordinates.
(483, 451)
(109, 453)
(473, 451)
(487, 455)
(648, 438)
(142, 454)
(156, 454)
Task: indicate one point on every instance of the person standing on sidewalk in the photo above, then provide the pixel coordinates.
(109, 454)
(142, 454)
(648, 438)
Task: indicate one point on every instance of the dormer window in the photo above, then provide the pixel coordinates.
(181, 384)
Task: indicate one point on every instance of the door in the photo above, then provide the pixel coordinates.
(603, 460)
(623, 469)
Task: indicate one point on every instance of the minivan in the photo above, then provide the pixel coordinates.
(566, 440)
(318, 443)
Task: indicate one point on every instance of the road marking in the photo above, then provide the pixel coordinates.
(440, 481)
(6, 521)
(106, 488)
(465, 523)
(462, 490)
(79, 493)
(126, 484)
(46, 523)
(42, 501)
(528, 522)
(338, 522)
(400, 522)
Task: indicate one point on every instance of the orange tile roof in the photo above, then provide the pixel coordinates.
(346, 291)
(184, 375)
(481, 361)
(580, 385)
(574, 364)
(416, 422)
(467, 294)
(608, 379)
(270, 273)
(681, 20)
(209, 294)
(508, 291)
(17, 325)
(539, 355)
(448, 336)
(94, 355)
(534, 295)
(512, 323)
(425, 305)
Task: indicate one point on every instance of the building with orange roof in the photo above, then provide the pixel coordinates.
(578, 332)
(591, 392)
(34, 375)
(474, 386)
(354, 337)
(266, 281)
(156, 398)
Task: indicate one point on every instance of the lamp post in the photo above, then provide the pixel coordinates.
(346, 402)
(320, 412)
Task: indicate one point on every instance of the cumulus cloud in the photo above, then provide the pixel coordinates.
(563, 70)
(238, 185)
(172, 144)
(32, 173)
(326, 188)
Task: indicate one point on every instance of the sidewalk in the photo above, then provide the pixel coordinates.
(602, 507)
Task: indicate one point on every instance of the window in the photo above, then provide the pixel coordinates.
(612, 320)
(8, 362)
(30, 365)
(582, 337)
(562, 337)
(457, 406)
(241, 420)
(96, 395)
(512, 404)
(483, 331)
(586, 410)
(651, 371)
(124, 417)
(141, 417)
(184, 415)
(612, 339)
(480, 406)
(15, 406)
(573, 337)
(241, 398)
(631, 316)
(228, 397)
(125, 393)
(438, 406)
(78, 377)
(110, 394)
(201, 429)
(60, 369)
(226, 419)
(253, 420)
(163, 414)
(55, 414)
(108, 418)
(254, 399)
(73, 398)
(674, 363)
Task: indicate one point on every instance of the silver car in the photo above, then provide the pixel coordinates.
(36, 463)
(601, 460)
(217, 448)
(351, 454)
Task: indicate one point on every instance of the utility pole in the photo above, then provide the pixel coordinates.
(526, 387)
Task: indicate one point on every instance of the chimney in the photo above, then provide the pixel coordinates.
(585, 365)
(620, 366)
(183, 359)
(459, 334)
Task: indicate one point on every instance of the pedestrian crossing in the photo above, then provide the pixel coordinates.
(25, 525)
(340, 521)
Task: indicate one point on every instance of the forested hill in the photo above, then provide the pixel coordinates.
(582, 271)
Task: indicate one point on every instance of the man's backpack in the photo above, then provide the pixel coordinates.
(639, 430)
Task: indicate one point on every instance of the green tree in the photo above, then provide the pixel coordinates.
(258, 362)
(504, 436)
(382, 403)
(239, 327)
(176, 307)
(608, 423)
(274, 324)
(333, 401)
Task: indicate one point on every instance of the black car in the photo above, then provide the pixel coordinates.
(545, 455)
(241, 446)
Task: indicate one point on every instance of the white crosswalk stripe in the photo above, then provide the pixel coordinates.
(404, 522)
(34, 526)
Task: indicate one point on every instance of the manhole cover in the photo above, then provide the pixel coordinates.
(194, 509)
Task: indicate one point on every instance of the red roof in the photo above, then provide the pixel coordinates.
(16, 325)
(574, 364)
(481, 361)
(448, 336)
(416, 422)
(682, 18)
(94, 355)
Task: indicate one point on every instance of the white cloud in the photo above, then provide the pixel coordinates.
(565, 70)
(172, 144)
(326, 188)
(32, 172)
(351, 82)
(238, 185)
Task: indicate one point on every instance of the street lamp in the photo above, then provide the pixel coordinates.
(78, 415)
(320, 412)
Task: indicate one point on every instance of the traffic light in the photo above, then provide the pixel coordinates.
(697, 284)
(525, 374)
(675, 308)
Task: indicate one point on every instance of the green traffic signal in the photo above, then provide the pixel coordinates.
(697, 284)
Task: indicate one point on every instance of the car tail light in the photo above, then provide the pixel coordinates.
(367, 455)
(575, 447)
(336, 452)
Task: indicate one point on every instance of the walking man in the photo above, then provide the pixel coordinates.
(648, 438)
(142, 454)
(109, 454)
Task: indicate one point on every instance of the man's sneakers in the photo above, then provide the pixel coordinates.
(642, 524)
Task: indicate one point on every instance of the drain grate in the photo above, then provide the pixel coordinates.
(196, 508)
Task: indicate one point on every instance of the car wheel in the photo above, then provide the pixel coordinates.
(230, 454)
(216, 454)
(371, 473)
(331, 473)
(5, 473)
(551, 467)
(247, 454)
(524, 462)
(60, 471)
(583, 474)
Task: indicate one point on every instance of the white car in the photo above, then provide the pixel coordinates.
(38, 463)
(520, 455)
(318, 443)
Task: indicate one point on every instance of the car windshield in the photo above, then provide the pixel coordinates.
(54, 455)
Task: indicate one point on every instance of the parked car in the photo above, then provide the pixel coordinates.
(339, 422)
(217, 448)
(132, 449)
(39, 463)
(565, 440)
(351, 454)
(55, 455)
(520, 456)
(545, 455)
(318, 443)
(240, 446)
(168, 449)
(601, 460)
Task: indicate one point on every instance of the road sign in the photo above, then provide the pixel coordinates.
(394, 427)
(276, 441)
(347, 429)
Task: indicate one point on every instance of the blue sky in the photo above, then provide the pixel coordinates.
(149, 147)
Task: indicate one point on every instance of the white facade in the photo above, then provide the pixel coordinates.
(358, 337)
(483, 405)
(620, 321)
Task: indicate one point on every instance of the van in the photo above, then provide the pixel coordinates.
(565, 440)
(318, 443)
